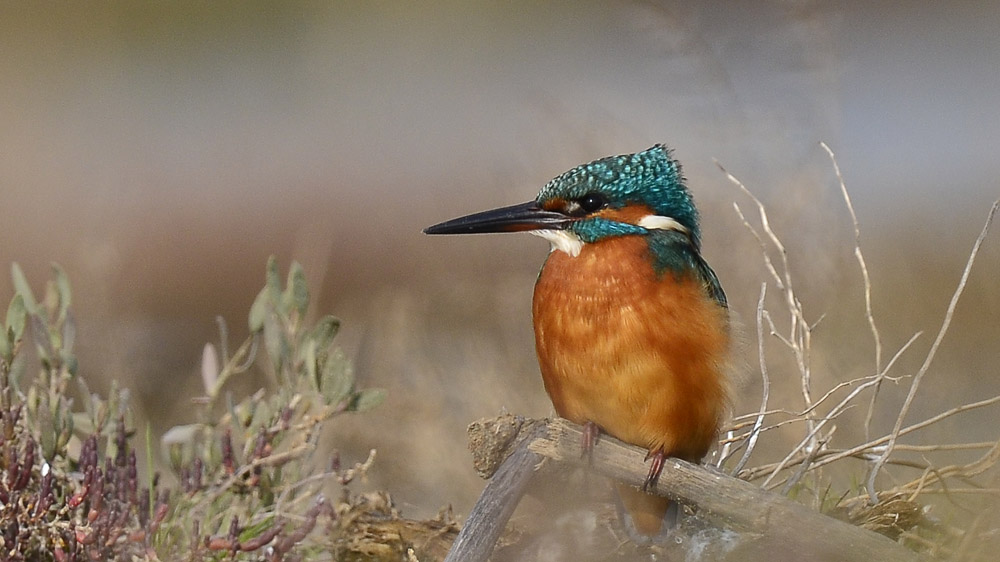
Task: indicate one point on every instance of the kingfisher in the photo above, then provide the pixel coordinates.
(631, 324)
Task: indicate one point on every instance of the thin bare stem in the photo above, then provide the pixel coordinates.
(765, 384)
(223, 338)
(946, 446)
(915, 384)
(727, 447)
(744, 419)
(867, 282)
(972, 491)
(867, 450)
(760, 241)
(811, 454)
(871, 445)
(233, 366)
(834, 412)
(799, 331)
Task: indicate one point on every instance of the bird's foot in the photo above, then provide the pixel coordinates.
(655, 468)
(591, 433)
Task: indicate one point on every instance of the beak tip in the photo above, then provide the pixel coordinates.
(515, 218)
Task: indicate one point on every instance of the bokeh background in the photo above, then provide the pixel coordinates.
(160, 152)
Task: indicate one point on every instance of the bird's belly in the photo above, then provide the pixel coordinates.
(640, 355)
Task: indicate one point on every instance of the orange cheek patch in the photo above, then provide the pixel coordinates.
(630, 214)
(557, 205)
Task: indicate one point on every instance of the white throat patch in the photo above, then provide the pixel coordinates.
(659, 222)
(569, 242)
(563, 240)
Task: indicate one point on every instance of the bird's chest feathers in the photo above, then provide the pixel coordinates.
(637, 352)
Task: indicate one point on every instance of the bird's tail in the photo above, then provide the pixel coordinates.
(645, 516)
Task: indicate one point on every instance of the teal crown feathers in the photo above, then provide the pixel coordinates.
(651, 178)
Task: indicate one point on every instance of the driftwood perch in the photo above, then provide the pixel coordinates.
(509, 479)
(764, 523)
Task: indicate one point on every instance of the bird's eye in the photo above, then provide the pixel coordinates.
(593, 202)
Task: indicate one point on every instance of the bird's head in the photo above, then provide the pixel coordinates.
(631, 194)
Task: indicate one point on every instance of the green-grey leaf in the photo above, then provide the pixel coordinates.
(42, 336)
(273, 279)
(368, 399)
(88, 402)
(297, 288)
(22, 287)
(180, 436)
(69, 361)
(275, 342)
(209, 368)
(32, 400)
(62, 287)
(325, 330)
(337, 380)
(259, 310)
(67, 431)
(17, 316)
(309, 359)
(68, 332)
(55, 408)
(237, 413)
(83, 424)
(48, 443)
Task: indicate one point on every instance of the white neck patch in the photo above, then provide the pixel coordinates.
(563, 240)
(568, 242)
(659, 222)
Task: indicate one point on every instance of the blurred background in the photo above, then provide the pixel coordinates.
(160, 152)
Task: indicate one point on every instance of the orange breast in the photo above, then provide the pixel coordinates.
(642, 356)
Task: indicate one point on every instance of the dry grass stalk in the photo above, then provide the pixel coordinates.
(820, 416)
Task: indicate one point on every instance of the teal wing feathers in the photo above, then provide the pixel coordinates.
(711, 282)
(674, 251)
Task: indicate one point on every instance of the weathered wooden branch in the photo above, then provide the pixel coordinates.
(504, 490)
(730, 502)
(767, 524)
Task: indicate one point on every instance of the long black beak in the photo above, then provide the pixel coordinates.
(526, 216)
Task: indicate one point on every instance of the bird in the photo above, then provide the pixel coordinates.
(632, 328)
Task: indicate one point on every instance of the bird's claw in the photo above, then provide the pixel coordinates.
(591, 434)
(654, 469)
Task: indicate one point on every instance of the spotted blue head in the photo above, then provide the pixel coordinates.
(630, 194)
